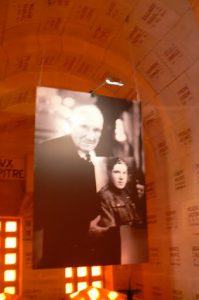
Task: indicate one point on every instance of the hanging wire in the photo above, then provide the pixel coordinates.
(42, 67)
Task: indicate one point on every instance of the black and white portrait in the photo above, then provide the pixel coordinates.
(89, 193)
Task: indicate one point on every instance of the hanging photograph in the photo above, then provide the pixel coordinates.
(89, 190)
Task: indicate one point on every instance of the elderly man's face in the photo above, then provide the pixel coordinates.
(119, 175)
(87, 128)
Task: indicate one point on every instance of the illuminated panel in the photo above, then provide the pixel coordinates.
(10, 275)
(10, 242)
(2, 296)
(97, 284)
(82, 285)
(73, 295)
(96, 271)
(10, 258)
(112, 295)
(69, 272)
(82, 271)
(9, 255)
(10, 290)
(77, 279)
(69, 288)
(94, 294)
(11, 226)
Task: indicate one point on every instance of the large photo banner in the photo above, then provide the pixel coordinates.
(89, 190)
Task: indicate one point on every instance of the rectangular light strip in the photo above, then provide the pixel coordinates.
(9, 254)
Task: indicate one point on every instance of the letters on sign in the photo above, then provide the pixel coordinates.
(12, 169)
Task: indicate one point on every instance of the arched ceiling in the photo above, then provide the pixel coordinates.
(76, 44)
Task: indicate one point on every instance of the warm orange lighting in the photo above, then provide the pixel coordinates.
(68, 288)
(10, 242)
(73, 295)
(82, 271)
(96, 271)
(11, 226)
(2, 296)
(68, 272)
(82, 286)
(112, 295)
(10, 290)
(97, 284)
(93, 294)
(9, 275)
(80, 278)
(10, 258)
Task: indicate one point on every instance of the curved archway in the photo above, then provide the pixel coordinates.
(152, 46)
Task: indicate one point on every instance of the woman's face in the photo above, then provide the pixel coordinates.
(119, 175)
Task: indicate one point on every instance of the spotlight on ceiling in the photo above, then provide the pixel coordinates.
(109, 81)
(113, 81)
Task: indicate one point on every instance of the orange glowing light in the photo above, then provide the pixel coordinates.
(68, 272)
(82, 285)
(68, 288)
(93, 294)
(2, 296)
(74, 295)
(82, 271)
(10, 258)
(112, 295)
(9, 275)
(10, 242)
(11, 226)
(96, 271)
(10, 290)
(97, 284)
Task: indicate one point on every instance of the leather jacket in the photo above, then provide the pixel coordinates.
(117, 207)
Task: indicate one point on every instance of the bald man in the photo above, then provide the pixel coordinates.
(86, 128)
(65, 195)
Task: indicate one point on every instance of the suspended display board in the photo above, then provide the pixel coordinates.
(89, 193)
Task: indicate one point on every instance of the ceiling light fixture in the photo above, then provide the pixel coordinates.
(113, 81)
(108, 81)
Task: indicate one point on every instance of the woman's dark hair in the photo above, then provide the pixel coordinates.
(114, 161)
